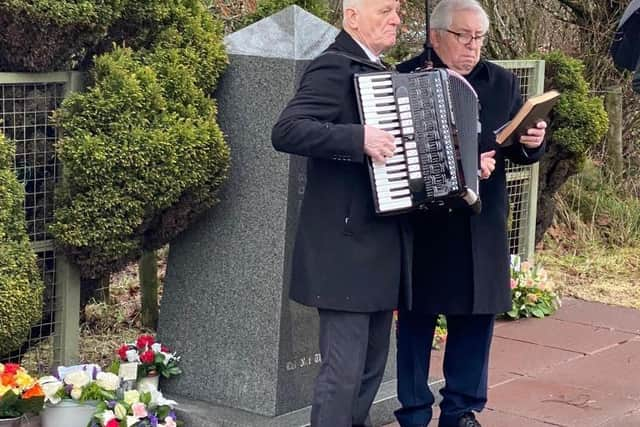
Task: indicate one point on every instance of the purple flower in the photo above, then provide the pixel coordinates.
(154, 420)
(172, 414)
(111, 404)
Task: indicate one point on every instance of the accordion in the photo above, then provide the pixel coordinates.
(433, 116)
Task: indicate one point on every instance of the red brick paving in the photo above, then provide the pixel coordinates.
(580, 367)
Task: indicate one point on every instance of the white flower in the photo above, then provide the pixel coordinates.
(131, 397)
(132, 355)
(77, 379)
(108, 381)
(156, 347)
(76, 393)
(169, 422)
(50, 387)
(157, 399)
(107, 416)
(131, 420)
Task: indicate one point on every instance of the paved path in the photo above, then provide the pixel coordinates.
(580, 367)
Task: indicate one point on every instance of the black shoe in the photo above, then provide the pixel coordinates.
(468, 420)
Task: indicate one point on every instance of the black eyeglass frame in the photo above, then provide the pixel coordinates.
(461, 37)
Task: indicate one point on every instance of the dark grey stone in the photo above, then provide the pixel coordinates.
(201, 414)
(249, 354)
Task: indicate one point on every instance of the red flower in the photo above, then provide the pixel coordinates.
(164, 349)
(113, 422)
(145, 341)
(147, 357)
(122, 351)
(11, 368)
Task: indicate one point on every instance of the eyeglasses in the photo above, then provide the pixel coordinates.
(466, 38)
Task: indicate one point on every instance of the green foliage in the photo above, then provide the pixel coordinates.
(47, 35)
(579, 121)
(20, 284)
(142, 152)
(607, 207)
(532, 291)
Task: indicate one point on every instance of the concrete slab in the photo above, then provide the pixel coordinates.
(616, 371)
(597, 314)
(558, 404)
(565, 335)
(526, 359)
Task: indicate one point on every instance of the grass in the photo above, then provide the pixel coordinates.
(592, 271)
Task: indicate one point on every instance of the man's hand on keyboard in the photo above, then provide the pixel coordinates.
(378, 144)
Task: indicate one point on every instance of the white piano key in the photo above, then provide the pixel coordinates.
(377, 101)
(394, 193)
(396, 204)
(402, 100)
(393, 185)
(395, 159)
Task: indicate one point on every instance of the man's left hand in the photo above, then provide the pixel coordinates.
(534, 136)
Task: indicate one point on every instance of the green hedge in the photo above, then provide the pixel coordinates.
(51, 35)
(20, 284)
(142, 152)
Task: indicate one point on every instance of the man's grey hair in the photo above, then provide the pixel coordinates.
(442, 14)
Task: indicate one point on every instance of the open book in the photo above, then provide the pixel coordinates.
(535, 109)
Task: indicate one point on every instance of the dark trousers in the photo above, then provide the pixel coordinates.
(466, 364)
(354, 349)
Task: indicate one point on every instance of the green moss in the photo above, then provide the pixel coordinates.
(20, 284)
(142, 152)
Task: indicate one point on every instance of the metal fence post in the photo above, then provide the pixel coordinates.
(67, 336)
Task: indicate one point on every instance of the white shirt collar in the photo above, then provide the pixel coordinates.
(372, 57)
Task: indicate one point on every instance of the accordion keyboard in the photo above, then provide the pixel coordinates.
(415, 109)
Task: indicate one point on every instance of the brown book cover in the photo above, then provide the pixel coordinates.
(532, 111)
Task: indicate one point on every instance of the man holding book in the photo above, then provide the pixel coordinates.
(461, 260)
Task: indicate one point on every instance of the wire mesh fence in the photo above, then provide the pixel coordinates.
(522, 181)
(26, 104)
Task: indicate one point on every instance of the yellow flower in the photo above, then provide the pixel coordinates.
(4, 389)
(532, 298)
(23, 380)
(1, 368)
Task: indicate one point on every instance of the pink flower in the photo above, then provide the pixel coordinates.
(139, 410)
(513, 283)
(169, 422)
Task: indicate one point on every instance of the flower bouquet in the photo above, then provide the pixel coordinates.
(147, 409)
(532, 291)
(20, 394)
(154, 358)
(71, 398)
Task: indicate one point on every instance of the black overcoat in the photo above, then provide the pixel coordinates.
(345, 257)
(461, 261)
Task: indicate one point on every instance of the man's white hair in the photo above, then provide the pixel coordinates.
(442, 14)
(350, 4)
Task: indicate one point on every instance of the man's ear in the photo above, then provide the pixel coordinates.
(434, 38)
(351, 18)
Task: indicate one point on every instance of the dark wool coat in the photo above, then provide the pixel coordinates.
(461, 261)
(345, 257)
